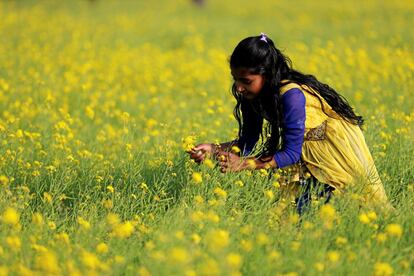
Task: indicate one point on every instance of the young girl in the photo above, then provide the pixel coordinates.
(311, 132)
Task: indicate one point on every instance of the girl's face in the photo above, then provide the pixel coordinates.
(247, 84)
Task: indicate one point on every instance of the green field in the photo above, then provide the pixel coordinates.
(99, 98)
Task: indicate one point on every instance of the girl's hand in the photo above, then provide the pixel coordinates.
(230, 162)
(201, 152)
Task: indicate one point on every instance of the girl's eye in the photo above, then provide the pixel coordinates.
(247, 81)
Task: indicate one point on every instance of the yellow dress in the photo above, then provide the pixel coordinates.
(334, 150)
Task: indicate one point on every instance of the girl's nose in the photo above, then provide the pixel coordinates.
(239, 88)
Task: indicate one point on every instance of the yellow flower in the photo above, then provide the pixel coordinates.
(263, 172)
(381, 237)
(112, 219)
(143, 271)
(220, 192)
(197, 216)
(274, 256)
(295, 245)
(210, 267)
(107, 204)
(251, 164)
(149, 245)
(199, 199)
(234, 260)
(110, 189)
(307, 225)
(212, 216)
(382, 269)
(47, 262)
(35, 173)
(144, 186)
(19, 133)
(262, 239)
(52, 225)
(47, 197)
(217, 239)
(239, 183)
(235, 149)
(341, 241)
(197, 178)
(208, 163)
(372, 215)
(119, 259)
(319, 266)
(188, 142)
(195, 238)
(124, 230)
(89, 112)
(37, 219)
(190, 272)
(269, 194)
(22, 270)
(4, 271)
(14, 242)
(246, 229)
(364, 218)
(179, 255)
(179, 235)
(39, 248)
(404, 264)
(90, 260)
(4, 180)
(246, 245)
(394, 229)
(10, 216)
(102, 248)
(63, 237)
(294, 218)
(328, 214)
(333, 256)
(85, 225)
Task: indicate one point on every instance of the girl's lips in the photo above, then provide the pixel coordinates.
(247, 95)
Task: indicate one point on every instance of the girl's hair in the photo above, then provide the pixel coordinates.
(259, 55)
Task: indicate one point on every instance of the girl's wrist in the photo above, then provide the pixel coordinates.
(259, 163)
(215, 149)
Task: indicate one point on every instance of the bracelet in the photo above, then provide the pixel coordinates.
(215, 149)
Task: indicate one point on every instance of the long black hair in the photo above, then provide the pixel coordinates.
(259, 55)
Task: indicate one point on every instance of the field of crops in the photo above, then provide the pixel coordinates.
(99, 99)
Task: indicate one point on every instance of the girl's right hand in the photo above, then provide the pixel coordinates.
(201, 152)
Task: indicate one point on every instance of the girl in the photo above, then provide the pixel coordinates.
(312, 132)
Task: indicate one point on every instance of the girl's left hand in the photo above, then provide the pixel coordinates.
(230, 162)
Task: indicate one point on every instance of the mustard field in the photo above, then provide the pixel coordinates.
(100, 99)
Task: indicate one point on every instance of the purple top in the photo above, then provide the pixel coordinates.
(293, 102)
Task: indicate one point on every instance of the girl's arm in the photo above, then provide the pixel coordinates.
(294, 117)
(294, 127)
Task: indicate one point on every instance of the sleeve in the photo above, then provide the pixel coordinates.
(294, 117)
(251, 128)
